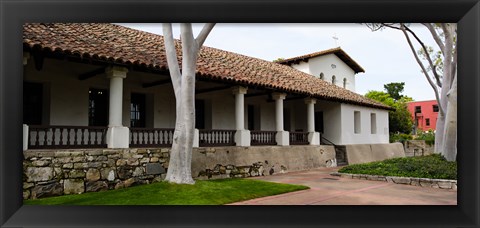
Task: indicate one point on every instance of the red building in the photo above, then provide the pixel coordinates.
(424, 114)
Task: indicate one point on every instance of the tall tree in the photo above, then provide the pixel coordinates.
(440, 74)
(395, 89)
(180, 164)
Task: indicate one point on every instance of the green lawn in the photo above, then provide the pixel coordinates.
(211, 192)
(431, 166)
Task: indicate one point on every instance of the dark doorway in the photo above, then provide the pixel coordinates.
(251, 117)
(137, 110)
(199, 114)
(286, 120)
(319, 122)
(32, 103)
(98, 107)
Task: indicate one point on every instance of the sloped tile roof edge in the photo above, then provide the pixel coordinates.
(117, 44)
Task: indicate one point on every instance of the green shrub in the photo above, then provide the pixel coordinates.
(400, 137)
(428, 136)
(433, 166)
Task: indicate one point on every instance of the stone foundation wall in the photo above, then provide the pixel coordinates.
(414, 148)
(53, 173)
(58, 172)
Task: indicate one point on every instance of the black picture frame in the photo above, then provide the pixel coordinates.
(14, 13)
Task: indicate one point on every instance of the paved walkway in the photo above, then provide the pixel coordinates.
(330, 190)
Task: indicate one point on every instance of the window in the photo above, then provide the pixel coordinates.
(427, 122)
(333, 79)
(199, 114)
(418, 109)
(356, 122)
(344, 83)
(435, 108)
(98, 107)
(373, 123)
(137, 110)
(32, 103)
(321, 75)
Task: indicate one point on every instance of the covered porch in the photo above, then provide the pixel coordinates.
(71, 104)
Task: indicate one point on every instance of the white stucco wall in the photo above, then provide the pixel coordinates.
(323, 64)
(303, 67)
(223, 109)
(339, 123)
(267, 117)
(365, 136)
(332, 123)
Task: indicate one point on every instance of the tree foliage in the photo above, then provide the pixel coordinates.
(400, 120)
(395, 89)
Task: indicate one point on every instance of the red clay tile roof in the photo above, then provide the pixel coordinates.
(120, 45)
(337, 51)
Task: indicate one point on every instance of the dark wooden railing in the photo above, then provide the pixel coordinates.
(151, 137)
(262, 138)
(216, 138)
(46, 137)
(299, 138)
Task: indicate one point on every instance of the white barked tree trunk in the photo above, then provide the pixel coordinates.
(446, 126)
(180, 164)
(450, 135)
(442, 77)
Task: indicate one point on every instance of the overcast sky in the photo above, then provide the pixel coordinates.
(385, 55)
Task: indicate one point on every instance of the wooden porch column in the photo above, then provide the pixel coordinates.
(281, 136)
(117, 135)
(313, 137)
(242, 136)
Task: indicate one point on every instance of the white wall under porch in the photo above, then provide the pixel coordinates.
(66, 97)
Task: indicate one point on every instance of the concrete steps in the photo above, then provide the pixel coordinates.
(341, 155)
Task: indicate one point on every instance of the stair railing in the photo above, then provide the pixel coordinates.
(328, 141)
